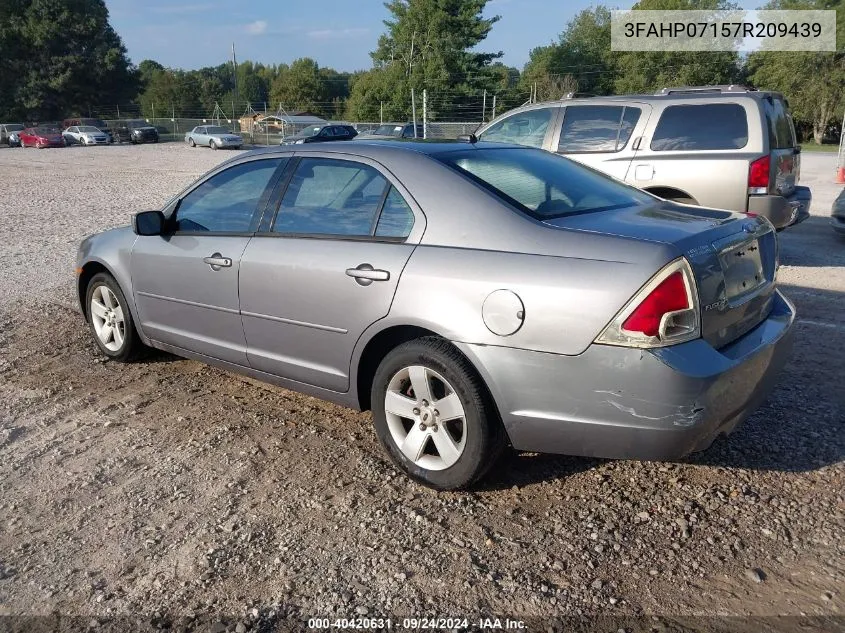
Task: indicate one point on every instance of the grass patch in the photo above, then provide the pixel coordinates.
(810, 146)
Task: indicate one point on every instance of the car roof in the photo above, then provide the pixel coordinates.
(384, 149)
(679, 95)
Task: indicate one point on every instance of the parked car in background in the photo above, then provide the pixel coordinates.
(321, 134)
(134, 131)
(42, 137)
(85, 135)
(213, 136)
(8, 134)
(393, 130)
(470, 295)
(100, 124)
(837, 214)
(726, 147)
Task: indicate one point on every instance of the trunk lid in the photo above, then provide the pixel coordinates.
(733, 258)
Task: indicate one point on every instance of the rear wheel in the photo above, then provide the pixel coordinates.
(110, 319)
(434, 416)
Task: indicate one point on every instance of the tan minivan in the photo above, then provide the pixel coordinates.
(727, 147)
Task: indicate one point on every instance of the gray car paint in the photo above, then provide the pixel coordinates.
(573, 275)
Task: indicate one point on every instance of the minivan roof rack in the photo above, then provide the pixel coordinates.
(704, 89)
(576, 95)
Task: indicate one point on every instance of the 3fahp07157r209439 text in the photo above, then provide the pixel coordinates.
(723, 29)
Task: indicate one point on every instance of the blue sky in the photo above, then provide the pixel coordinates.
(337, 33)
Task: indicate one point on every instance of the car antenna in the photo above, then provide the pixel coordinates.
(468, 138)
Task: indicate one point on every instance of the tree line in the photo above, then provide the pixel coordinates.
(56, 63)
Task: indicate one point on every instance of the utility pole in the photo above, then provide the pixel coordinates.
(414, 111)
(235, 75)
(411, 58)
(118, 111)
(381, 112)
(494, 108)
(484, 106)
(425, 125)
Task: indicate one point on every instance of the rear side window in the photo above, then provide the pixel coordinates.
(701, 127)
(396, 218)
(781, 130)
(590, 128)
(523, 128)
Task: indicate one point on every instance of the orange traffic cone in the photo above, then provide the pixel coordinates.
(840, 175)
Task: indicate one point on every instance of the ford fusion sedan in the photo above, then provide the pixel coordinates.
(85, 135)
(473, 296)
(41, 137)
(213, 136)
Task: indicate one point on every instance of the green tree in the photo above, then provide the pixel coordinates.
(60, 57)
(639, 72)
(299, 87)
(429, 44)
(814, 83)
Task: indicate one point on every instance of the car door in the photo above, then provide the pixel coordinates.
(186, 281)
(326, 268)
(603, 136)
(200, 136)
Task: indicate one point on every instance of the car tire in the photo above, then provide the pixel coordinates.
(110, 319)
(442, 453)
(212, 144)
(192, 142)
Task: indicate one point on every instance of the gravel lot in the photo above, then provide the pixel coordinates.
(167, 489)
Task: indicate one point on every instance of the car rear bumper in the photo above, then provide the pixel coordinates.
(625, 403)
(783, 211)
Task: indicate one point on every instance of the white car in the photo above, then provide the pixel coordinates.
(85, 135)
(213, 136)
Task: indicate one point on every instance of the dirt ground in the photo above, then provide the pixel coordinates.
(165, 492)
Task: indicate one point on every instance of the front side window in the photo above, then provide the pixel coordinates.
(600, 128)
(226, 202)
(701, 127)
(541, 184)
(331, 197)
(523, 128)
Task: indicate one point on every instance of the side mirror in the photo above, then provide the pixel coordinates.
(148, 223)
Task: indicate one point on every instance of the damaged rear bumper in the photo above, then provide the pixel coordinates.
(624, 403)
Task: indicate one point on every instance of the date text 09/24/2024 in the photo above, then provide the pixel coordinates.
(416, 624)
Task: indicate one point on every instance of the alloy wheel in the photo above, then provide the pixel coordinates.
(425, 417)
(107, 318)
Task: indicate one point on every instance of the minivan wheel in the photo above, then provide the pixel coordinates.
(434, 416)
(110, 319)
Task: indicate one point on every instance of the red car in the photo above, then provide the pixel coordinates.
(41, 137)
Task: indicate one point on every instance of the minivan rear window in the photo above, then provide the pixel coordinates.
(701, 127)
(541, 184)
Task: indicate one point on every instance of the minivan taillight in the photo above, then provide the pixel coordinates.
(759, 173)
(663, 312)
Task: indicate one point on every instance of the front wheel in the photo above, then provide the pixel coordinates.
(434, 415)
(212, 144)
(191, 142)
(110, 319)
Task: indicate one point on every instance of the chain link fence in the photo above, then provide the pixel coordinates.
(273, 132)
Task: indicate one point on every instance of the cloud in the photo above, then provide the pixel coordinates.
(178, 9)
(259, 27)
(334, 34)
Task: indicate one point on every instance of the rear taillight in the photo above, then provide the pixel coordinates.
(759, 173)
(664, 311)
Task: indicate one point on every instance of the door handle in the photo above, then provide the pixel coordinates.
(217, 261)
(365, 274)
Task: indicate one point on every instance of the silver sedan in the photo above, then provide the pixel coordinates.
(213, 136)
(473, 296)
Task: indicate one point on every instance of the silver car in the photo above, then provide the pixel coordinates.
(213, 136)
(85, 135)
(10, 134)
(472, 295)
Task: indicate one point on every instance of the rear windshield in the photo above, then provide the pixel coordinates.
(701, 127)
(781, 130)
(541, 184)
(216, 129)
